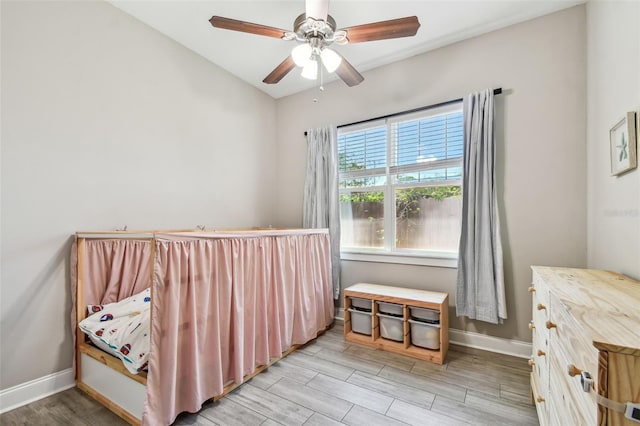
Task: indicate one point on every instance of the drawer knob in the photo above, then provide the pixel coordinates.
(573, 371)
(541, 352)
(540, 399)
(531, 363)
(532, 289)
(541, 306)
(551, 325)
(531, 326)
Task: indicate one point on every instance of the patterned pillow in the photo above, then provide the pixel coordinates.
(123, 328)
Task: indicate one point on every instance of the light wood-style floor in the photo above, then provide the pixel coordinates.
(331, 382)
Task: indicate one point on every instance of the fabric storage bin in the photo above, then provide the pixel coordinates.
(425, 335)
(425, 315)
(360, 321)
(391, 327)
(390, 308)
(363, 304)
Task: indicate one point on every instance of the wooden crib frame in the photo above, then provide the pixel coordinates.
(102, 376)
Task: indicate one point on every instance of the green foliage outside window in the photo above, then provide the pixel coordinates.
(404, 196)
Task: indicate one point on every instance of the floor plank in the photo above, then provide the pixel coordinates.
(229, 413)
(355, 394)
(270, 405)
(331, 382)
(418, 416)
(320, 365)
(320, 420)
(359, 416)
(350, 361)
(428, 384)
(311, 398)
(282, 369)
(393, 389)
(387, 358)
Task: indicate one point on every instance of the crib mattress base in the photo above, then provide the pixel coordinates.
(103, 378)
(116, 391)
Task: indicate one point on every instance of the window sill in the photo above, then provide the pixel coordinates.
(443, 261)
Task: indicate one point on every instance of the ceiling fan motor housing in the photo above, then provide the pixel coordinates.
(306, 29)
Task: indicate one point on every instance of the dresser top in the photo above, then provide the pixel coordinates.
(605, 303)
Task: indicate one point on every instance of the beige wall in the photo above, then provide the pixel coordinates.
(541, 65)
(613, 73)
(105, 122)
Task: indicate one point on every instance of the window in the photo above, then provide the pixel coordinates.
(400, 184)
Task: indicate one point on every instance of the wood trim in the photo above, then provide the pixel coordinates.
(375, 322)
(603, 385)
(111, 233)
(107, 234)
(112, 406)
(112, 362)
(81, 309)
(152, 273)
(624, 350)
(444, 327)
(406, 327)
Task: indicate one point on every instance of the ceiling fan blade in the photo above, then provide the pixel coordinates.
(394, 28)
(246, 27)
(348, 73)
(280, 71)
(317, 9)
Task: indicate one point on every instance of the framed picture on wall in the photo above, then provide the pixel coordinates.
(623, 145)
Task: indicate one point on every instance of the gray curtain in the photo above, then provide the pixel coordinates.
(321, 207)
(480, 287)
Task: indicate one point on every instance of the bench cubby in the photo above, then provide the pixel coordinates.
(405, 298)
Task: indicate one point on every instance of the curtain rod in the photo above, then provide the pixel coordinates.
(395, 114)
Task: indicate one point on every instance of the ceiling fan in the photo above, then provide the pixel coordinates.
(314, 31)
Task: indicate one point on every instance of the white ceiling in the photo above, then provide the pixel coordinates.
(251, 57)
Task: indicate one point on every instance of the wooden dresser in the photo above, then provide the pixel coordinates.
(584, 320)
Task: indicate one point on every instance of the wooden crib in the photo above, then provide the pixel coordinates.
(252, 297)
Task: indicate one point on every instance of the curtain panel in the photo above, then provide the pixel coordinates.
(114, 270)
(480, 281)
(225, 304)
(321, 203)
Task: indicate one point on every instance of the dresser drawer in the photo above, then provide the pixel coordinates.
(571, 347)
(540, 367)
(567, 336)
(540, 398)
(571, 404)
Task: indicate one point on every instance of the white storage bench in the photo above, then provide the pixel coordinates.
(402, 320)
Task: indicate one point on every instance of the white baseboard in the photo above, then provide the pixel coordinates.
(470, 339)
(485, 342)
(34, 390)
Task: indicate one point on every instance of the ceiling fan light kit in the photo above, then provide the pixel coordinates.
(330, 59)
(315, 30)
(301, 54)
(310, 70)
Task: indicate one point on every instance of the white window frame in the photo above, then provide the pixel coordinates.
(388, 253)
